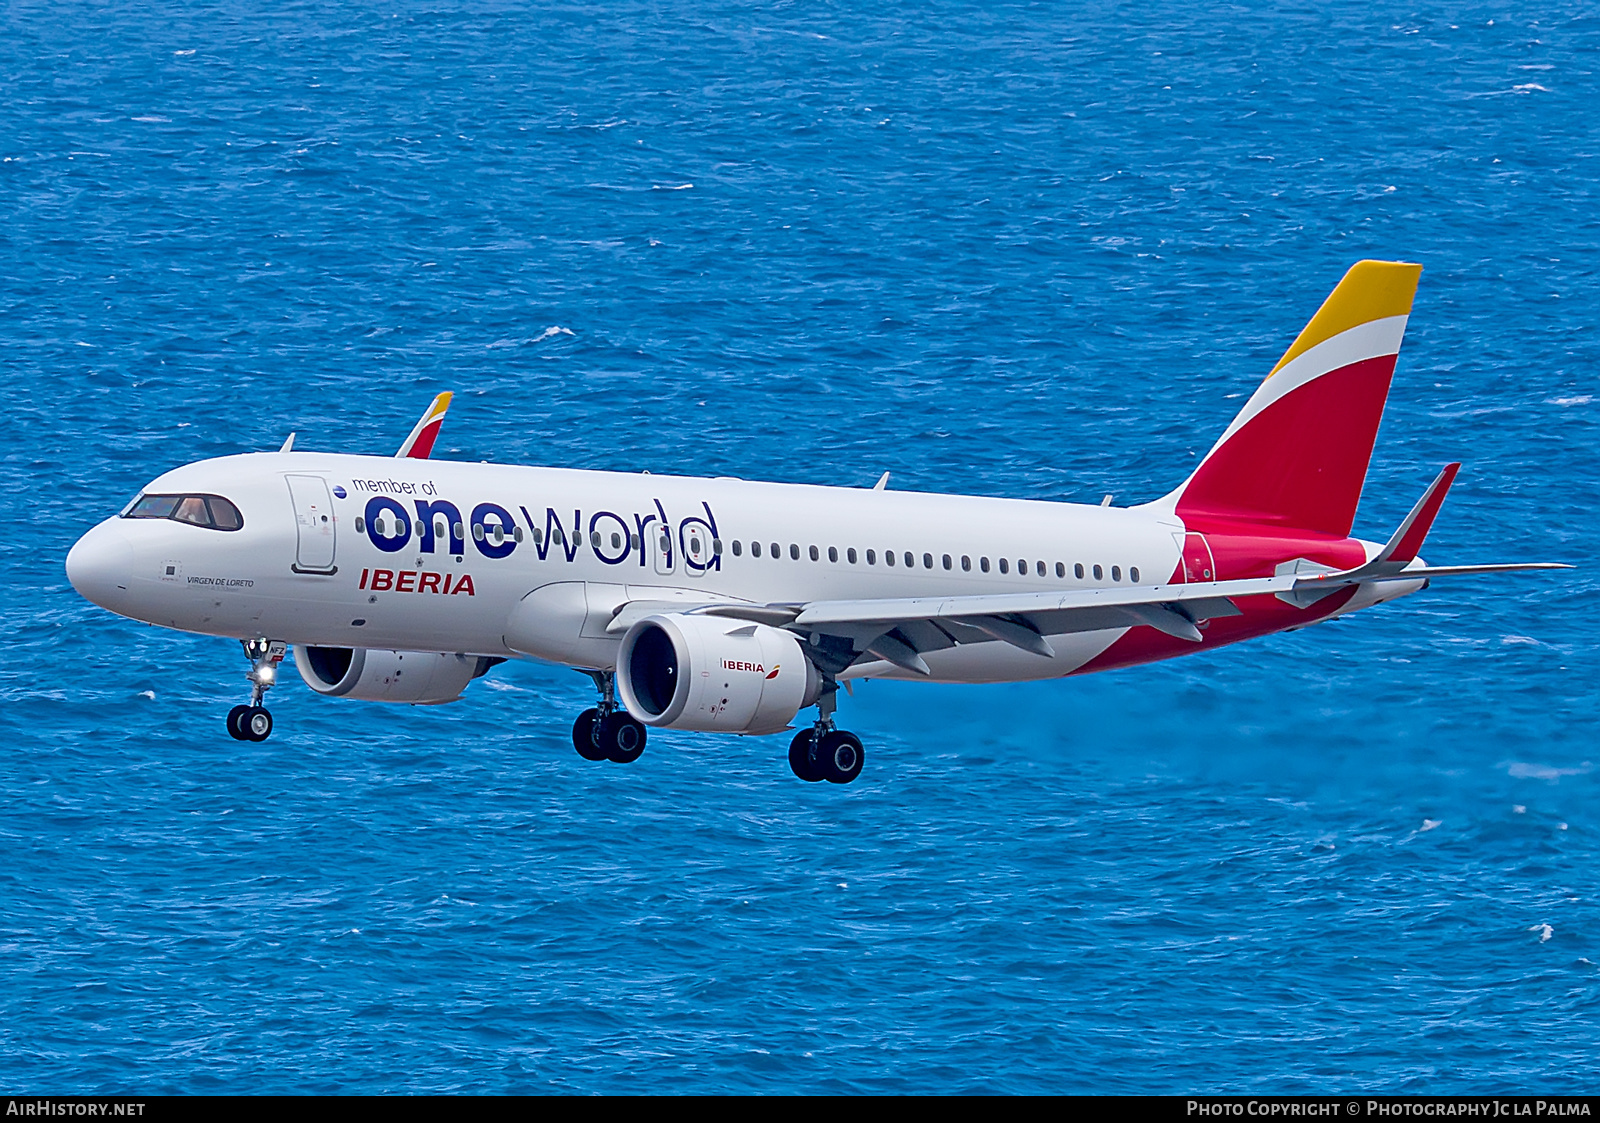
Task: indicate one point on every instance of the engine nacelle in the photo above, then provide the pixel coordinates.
(423, 678)
(714, 674)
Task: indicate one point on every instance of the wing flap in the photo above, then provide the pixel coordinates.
(1206, 600)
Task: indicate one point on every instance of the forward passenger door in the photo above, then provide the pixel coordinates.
(314, 525)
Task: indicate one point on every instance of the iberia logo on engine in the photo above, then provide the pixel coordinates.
(737, 665)
(416, 581)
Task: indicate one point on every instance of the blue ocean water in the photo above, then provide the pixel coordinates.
(1025, 250)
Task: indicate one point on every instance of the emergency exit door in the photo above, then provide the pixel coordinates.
(1198, 565)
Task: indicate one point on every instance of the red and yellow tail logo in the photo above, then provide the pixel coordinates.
(1297, 454)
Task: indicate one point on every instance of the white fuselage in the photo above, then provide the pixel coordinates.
(580, 544)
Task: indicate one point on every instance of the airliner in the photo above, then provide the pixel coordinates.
(725, 605)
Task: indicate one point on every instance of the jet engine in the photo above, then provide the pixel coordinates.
(423, 678)
(714, 674)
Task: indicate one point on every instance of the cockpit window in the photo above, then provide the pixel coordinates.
(224, 515)
(192, 509)
(152, 507)
(211, 511)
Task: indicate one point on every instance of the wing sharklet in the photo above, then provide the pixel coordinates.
(419, 443)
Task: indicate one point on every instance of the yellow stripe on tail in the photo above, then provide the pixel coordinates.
(1371, 290)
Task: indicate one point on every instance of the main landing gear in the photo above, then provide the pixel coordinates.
(606, 732)
(253, 722)
(823, 752)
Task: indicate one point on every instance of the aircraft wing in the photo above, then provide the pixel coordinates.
(899, 630)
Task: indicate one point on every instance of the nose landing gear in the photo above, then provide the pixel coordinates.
(824, 752)
(606, 732)
(254, 722)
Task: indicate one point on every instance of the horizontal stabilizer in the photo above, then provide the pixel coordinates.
(1351, 577)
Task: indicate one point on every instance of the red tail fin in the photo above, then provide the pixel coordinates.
(1297, 454)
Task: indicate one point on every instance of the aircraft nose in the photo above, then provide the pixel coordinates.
(100, 566)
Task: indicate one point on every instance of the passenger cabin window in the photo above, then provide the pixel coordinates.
(966, 563)
(1133, 574)
(872, 557)
(737, 549)
(210, 511)
(1005, 566)
(850, 555)
(755, 549)
(983, 564)
(1077, 571)
(1116, 573)
(1061, 569)
(833, 553)
(1099, 574)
